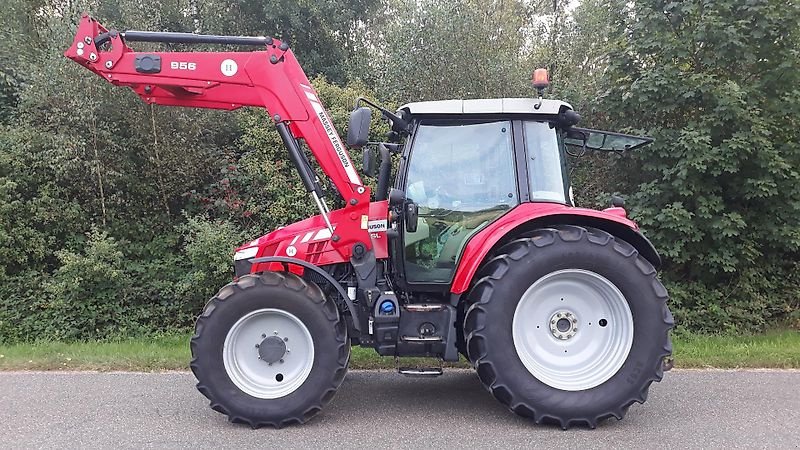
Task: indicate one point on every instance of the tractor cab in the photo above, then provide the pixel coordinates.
(466, 163)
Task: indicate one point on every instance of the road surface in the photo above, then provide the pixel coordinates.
(710, 409)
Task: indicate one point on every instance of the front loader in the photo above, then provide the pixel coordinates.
(476, 249)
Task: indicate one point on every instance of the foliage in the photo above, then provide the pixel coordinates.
(719, 192)
(435, 50)
(119, 218)
(84, 297)
(209, 249)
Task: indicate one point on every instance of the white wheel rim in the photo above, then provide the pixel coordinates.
(587, 351)
(256, 376)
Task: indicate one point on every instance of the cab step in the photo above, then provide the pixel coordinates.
(428, 372)
(427, 339)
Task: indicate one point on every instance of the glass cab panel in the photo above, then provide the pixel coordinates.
(606, 141)
(546, 169)
(462, 177)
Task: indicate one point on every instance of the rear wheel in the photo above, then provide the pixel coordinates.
(269, 349)
(568, 326)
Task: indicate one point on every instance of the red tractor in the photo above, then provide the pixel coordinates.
(475, 250)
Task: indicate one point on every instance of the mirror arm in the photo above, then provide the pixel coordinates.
(398, 124)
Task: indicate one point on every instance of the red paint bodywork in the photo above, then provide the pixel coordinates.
(321, 253)
(282, 88)
(302, 236)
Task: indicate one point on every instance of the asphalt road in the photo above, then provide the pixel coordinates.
(689, 409)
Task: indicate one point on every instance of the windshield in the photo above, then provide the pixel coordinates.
(545, 163)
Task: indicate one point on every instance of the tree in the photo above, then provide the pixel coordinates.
(435, 50)
(719, 192)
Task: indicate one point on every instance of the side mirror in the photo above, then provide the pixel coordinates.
(358, 128)
(369, 162)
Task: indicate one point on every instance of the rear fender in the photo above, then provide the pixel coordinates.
(529, 216)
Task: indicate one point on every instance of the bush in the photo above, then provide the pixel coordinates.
(209, 249)
(85, 298)
(749, 302)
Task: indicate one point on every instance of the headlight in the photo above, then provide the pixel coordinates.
(246, 253)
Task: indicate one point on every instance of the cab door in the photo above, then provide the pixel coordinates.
(462, 176)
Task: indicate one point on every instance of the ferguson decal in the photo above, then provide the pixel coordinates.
(376, 226)
(338, 147)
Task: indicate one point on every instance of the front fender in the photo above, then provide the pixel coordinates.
(285, 261)
(528, 216)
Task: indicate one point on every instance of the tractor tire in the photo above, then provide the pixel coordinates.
(568, 326)
(269, 350)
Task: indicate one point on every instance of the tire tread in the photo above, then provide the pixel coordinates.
(294, 283)
(495, 269)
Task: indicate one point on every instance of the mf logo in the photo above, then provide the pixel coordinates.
(229, 67)
(177, 65)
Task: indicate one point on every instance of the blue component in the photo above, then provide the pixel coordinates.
(387, 307)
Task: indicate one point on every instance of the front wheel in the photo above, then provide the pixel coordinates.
(269, 349)
(568, 326)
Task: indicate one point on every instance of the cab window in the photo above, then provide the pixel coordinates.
(545, 163)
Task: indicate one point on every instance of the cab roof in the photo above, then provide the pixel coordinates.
(486, 106)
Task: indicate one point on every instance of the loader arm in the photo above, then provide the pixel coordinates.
(270, 78)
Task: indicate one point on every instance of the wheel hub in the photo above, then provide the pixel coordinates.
(547, 322)
(268, 353)
(271, 349)
(564, 325)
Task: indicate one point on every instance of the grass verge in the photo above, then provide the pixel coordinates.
(774, 349)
